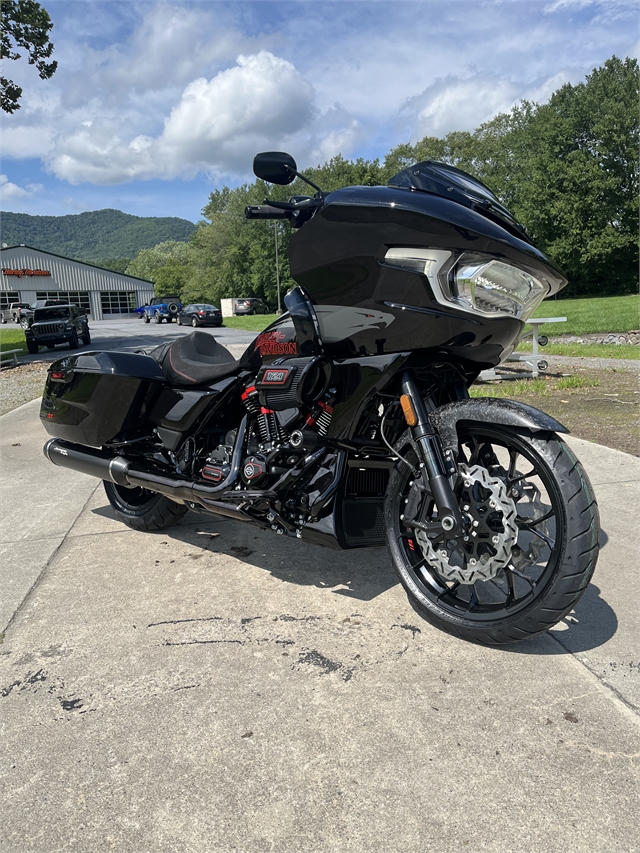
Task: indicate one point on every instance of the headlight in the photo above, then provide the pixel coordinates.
(493, 287)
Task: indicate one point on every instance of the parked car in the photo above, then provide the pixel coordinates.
(12, 313)
(57, 324)
(250, 306)
(26, 314)
(200, 315)
(162, 308)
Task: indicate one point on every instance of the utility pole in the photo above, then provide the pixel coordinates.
(275, 233)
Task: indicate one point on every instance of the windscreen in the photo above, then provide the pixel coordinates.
(452, 183)
(42, 315)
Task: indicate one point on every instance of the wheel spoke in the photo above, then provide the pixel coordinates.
(454, 586)
(523, 522)
(530, 528)
(475, 450)
(511, 583)
(512, 569)
(550, 542)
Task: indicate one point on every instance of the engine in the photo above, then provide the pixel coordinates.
(291, 404)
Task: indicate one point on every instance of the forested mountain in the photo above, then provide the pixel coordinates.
(567, 169)
(95, 235)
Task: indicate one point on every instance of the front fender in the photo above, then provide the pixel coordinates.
(489, 410)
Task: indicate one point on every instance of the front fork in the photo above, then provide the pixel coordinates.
(433, 460)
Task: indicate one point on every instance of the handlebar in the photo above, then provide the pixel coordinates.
(265, 211)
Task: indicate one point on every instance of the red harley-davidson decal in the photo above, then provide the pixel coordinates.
(22, 272)
(275, 343)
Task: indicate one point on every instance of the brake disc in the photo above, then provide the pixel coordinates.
(490, 531)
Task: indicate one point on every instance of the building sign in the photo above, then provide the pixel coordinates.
(20, 273)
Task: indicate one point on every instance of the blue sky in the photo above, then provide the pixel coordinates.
(157, 103)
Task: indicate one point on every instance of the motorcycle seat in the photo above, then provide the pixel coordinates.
(195, 359)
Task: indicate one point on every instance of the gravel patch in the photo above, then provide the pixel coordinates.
(21, 384)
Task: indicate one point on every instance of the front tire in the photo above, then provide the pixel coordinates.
(32, 346)
(146, 318)
(141, 509)
(547, 563)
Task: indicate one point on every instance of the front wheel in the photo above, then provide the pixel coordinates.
(146, 318)
(32, 346)
(86, 338)
(141, 509)
(528, 548)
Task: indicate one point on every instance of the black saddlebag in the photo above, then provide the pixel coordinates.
(94, 397)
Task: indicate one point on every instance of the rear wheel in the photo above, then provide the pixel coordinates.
(530, 543)
(141, 509)
(194, 323)
(145, 317)
(86, 338)
(157, 318)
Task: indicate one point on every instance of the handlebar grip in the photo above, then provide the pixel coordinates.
(264, 211)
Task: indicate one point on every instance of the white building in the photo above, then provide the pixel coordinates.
(29, 274)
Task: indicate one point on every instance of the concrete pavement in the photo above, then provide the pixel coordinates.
(215, 688)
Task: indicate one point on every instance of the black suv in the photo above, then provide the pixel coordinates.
(57, 324)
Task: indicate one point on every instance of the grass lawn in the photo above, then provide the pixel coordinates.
(252, 322)
(598, 314)
(587, 350)
(12, 339)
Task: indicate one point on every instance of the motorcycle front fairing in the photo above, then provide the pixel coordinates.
(367, 305)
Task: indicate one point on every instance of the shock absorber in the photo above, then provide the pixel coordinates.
(320, 416)
(268, 425)
(265, 418)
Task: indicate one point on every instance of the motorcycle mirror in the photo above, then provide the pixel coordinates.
(276, 167)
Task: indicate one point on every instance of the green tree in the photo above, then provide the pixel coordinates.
(25, 24)
(148, 261)
(578, 179)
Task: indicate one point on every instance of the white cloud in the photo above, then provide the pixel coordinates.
(454, 103)
(608, 7)
(216, 127)
(10, 192)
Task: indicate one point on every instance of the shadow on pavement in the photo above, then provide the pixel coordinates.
(364, 574)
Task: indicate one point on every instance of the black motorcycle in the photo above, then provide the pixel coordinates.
(348, 422)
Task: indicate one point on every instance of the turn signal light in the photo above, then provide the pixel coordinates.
(407, 408)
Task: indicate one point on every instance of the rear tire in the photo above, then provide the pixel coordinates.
(86, 338)
(552, 496)
(141, 509)
(194, 323)
(157, 318)
(145, 317)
